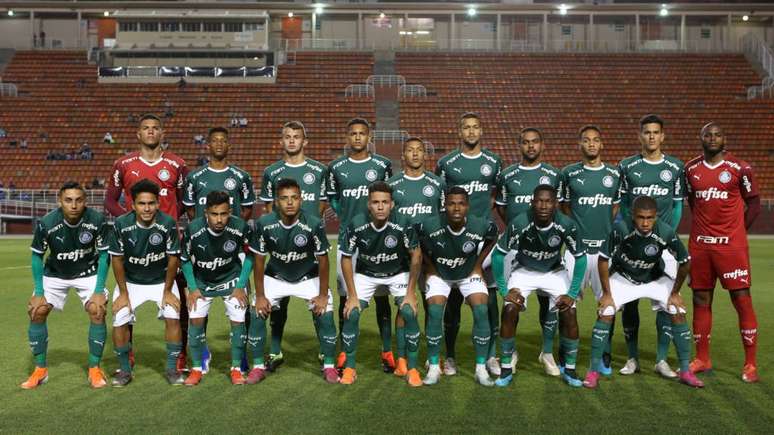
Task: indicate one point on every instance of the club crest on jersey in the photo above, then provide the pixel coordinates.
(607, 181)
(309, 178)
(85, 237)
(230, 184)
(724, 177)
(164, 175)
(544, 180)
(390, 242)
(468, 247)
(155, 239)
(651, 250)
(229, 246)
(428, 191)
(300, 240)
(486, 170)
(554, 241)
(665, 175)
(371, 175)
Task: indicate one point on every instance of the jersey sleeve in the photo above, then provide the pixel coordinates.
(561, 181)
(677, 248)
(747, 184)
(571, 240)
(442, 196)
(189, 196)
(332, 185)
(257, 243)
(182, 175)
(115, 242)
(491, 231)
(321, 245)
(173, 241)
(185, 254)
(349, 241)
(410, 238)
(323, 191)
(509, 238)
(564, 191)
(267, 191)
(39, 239)
(388, 171)
(609, 244)
(501, 194)
(679, 187)
(247, 192)
(616, 192)
(103, 236)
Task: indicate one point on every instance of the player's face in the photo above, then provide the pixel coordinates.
(73, 203)
(713, 140)
(543, 206)
(380, 205)
(289, 202)
(218, 215)
(145, 207)
(218, 146)
(150, 133)
(293, 141)
(531, 146)
(414, 155)
(644, 220)
(358, 137)
(456, 208)
(651, 136)
(470, 131)
(591, 144)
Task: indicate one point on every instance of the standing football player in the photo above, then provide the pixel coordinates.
(297, 247)
(475, 169)
(591, 197)
(144, 248)
(536, 239)
(724, 200)
(515, 187)
(348, 180)
(76, 238)
(388, 255)
(662, 177)
(311, 176)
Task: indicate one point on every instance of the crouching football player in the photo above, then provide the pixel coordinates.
(297, 248)
(388, 255)
(212, 268)
(637, 271)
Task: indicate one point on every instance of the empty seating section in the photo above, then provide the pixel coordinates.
(59, 95)
(561, 92)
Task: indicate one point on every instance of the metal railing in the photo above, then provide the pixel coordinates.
(759, 53)
(412, 91)
(359, 91)
(567, 45)
(8, 90)
(34, 203)
(386, 80)
(321, 45)
(181, 71)
(390, 135)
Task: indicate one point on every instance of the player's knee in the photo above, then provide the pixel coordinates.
(197, 321)
(406, 314)
(678, 318)
(41, 314)
(511, 312)
(702, 298)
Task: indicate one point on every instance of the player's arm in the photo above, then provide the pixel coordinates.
(478, 268)
(194, 293)
(677, 213)
(565, 302)
(246, 212)
(606, 306)
(191, 213)
(320, 302)
(169, 298)
(415, 268)
(752, 200)
(38, 298)
(349, 278)
(262, 305)
(180, 189)
(119, 272)
(189, 198)
(244, 279)
(112, 195)
(564, 206)
(248, 198)
(267, 207)
(752, 210)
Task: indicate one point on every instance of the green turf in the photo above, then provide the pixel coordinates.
(296, 399)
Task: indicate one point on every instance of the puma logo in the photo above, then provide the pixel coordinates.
(696, 177)
(639, 175)
(203, 184)
(60, 238)
(517, 181)
(581, 181)
(135, 173)
(458, 170)
(401, 192)
(345, 174)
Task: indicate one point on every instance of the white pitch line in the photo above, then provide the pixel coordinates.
(14, 267)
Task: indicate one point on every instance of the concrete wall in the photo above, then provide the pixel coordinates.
(16, 33)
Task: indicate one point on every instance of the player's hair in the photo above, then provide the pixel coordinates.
(70, 185)
(287, 183)
(526, 130)
(709, 125)
(217, 197)
(150, 116)
(469, 115)
(214, 130)
(295, 125)
(457, 190)
(588, 127)
(359, 121)
(144, 186)
(414, 139)
(544, 188)
(379, 186)
(644, 202)
(651, 119)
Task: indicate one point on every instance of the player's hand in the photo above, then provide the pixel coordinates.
(605, 302)
(35, 303)
(319, 304)
(193, 296)
(351, 305)
(411, 301)
(515, 298)
(100, 301)
(121, 302)
(241, 297)
(169, 299)
(677, 301)
(262, 307)
(564, 303)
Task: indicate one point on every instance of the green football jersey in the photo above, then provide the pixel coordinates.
(311, 176)
(380, 252)
(537, 248)
(516, 184)
(292, 250)
(215, 256)
(454, 254)
(418, 198)
(636, 256)
(476, 174)
(145, 249)
(74, 248)
(664, 181)
(348, 182)
(232, 180)
(592, 194)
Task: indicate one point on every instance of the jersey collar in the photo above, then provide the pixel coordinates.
(298, 165)
(218, 170)
(592, 168)
(80, 221)
(287, 227)
(149, 163)
(471, 157)
(462, 230)
(414, 178)
(214, 233)
(715, 166)
(360, 161)
(530, 168)
(379, 230)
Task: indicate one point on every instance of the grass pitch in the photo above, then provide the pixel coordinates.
(297, 400)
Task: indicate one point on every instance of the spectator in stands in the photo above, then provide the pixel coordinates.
(81, 83)
(242, 122)
(168, 110)
(43, 135)
(85, 152)
(131, 119)
(164, 145)
(181, 84)
(234, 121)
(198, 139)
(23, 144)
(34, 41)
(12, 143)
(3, 133)
(108, 138)
(42, 39)
(202, 161)
(50, 155)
